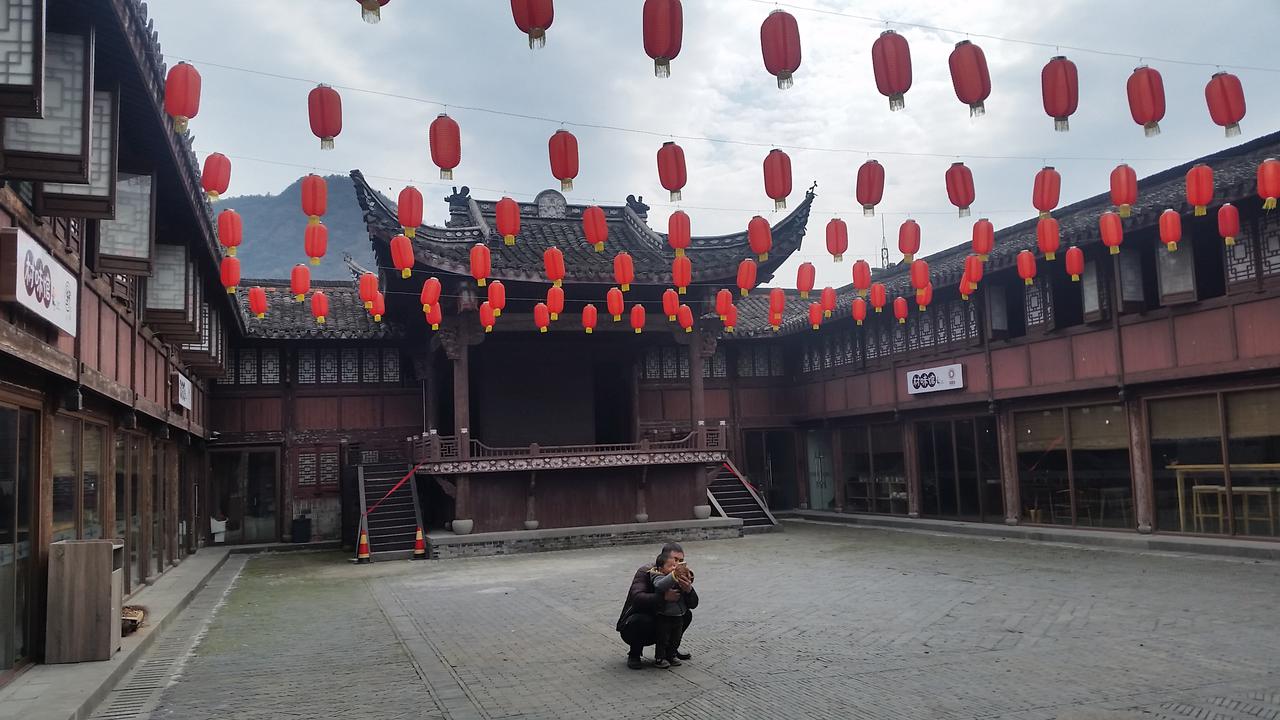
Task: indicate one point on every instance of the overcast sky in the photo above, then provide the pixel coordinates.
(594, 70)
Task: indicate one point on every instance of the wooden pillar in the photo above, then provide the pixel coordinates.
(837, 468)
(530, 503)
(911, 459)
(456, 346)
(697, 396)
(1140, 467)
(642, 510)
(1008, 449)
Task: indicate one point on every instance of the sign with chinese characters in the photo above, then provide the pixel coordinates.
(181, 391)
(31, 277)
(935, 379)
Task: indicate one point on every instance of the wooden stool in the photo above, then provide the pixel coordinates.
(1199, 511)
(1267, 494)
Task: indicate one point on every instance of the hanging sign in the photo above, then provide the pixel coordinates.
(31, 277)
(935, 379)
(181, 391)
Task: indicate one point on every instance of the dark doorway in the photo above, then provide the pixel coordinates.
(771, 466)
(613, 412)
(959, 469)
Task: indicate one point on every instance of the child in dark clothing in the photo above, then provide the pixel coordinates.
(670, 616)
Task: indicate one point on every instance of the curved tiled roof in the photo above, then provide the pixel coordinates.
(288, 319)
(556, 223)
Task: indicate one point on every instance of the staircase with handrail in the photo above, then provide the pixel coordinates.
(732, 495)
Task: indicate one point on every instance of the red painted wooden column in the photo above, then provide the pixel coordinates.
(911, 456)
(1009, 468)
(1140, 466)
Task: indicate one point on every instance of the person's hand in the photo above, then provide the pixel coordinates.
(671, 595)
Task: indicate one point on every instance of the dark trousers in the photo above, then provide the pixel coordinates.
(641, 629)
(670, 631)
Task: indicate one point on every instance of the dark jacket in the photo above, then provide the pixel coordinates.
(642, 598)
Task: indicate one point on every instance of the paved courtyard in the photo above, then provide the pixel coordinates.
(817, 622)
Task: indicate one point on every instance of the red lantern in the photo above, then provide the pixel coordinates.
(553, 261)
(624, 270)
(487, 316)
(379, 307)
(746, 276)
(1075, 263)
(870, 190)
(1124, 188)
(1200, 188)
(1048, 237)
(909, 239)
(859, 310)
(805, 276)
(1045, 191)
(1269, 182)
(507, 218)
(445, 140)
(430, 295)
(1027, 266)
(760, 237)
(1225, 97)
(182, 95)
(900, 309)
(480, 263)
(684, 316)
(679, 234)
(637, 317)
(891, 63)
(671, 169)
(324, 105)
(589, 318)
(402, 255)
(967, 286)
(258, 302)
(563, 149)
(216, 176)
(434, 316)
(670, 304)
(1112, 231)
(681, 273)
(1060, 89)
(919, 274)
(960, 187)
(663, 33)
(730, 318)
(315, 197)
(984, 238)
(879, 296)
(777, 177)
(969, 76)
(300, 281)
(230, 230)
(973, 268)
(1146, 99)
(230, 274)
(924, 297)
(497, 297)
(368, 288)
(533, 17)
(319, 307)
(315, 242)
(541, 316)
(780, 45)
(777, 305)
(371, 10)
(594, 227)
(409, 210)
(861, 277)
(815, 315)
(828, 301)
(614, 302)
(1170, 229)
(555, 301)
(724, 301)
(1228, 223)
(837, 238)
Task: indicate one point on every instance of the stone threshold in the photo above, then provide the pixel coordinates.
(1117, 539)
(443, 544)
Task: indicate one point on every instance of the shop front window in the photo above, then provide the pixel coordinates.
(1253, 448)
(91, 482)
(1187, 465)
(66, 461)
(1043, 482)
(889, 469)
(1100, 466)
(960, 469)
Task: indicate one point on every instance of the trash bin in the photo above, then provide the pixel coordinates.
(301, 530)
(86, 588)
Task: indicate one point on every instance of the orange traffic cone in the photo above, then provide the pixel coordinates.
(362, 549)
(419, 546)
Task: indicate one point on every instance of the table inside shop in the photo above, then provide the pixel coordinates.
(1245, 491)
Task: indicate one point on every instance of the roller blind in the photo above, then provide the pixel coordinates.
(1253, 414)
(1188, 418)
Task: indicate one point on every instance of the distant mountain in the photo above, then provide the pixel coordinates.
(274, 227)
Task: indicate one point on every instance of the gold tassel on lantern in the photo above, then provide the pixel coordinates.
(370, 11)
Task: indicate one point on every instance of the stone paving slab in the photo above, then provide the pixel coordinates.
(819, 622)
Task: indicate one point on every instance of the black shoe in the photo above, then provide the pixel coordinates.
(661, 663)
(674, 661)
(633, 662)
(683, 655)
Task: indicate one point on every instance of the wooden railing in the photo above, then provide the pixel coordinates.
(444, 448)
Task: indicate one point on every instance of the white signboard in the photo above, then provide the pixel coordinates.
(935, 379)
(182, 391)
(38, 282)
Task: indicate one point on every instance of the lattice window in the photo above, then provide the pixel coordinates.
(761, 362)
(307, 469)
(1270, 245)
(350, 365)
(653, 363)
(682, 362)
(899, 338)
(390, 365)
(306, 365)
(872, 339)
(270, 366)
(719, 364)
(1240, 265)
(806, 364)
(368, 457)
(248, 367)
(670, 367)
(329, 469)
(371, 367)
(928, 320)
(828, 357)
(776, 365)
(328, 366)
(913, 332)
(746, 361)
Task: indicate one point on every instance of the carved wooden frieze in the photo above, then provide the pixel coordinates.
(573, 462)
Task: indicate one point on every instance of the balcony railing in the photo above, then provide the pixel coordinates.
(434, 448)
